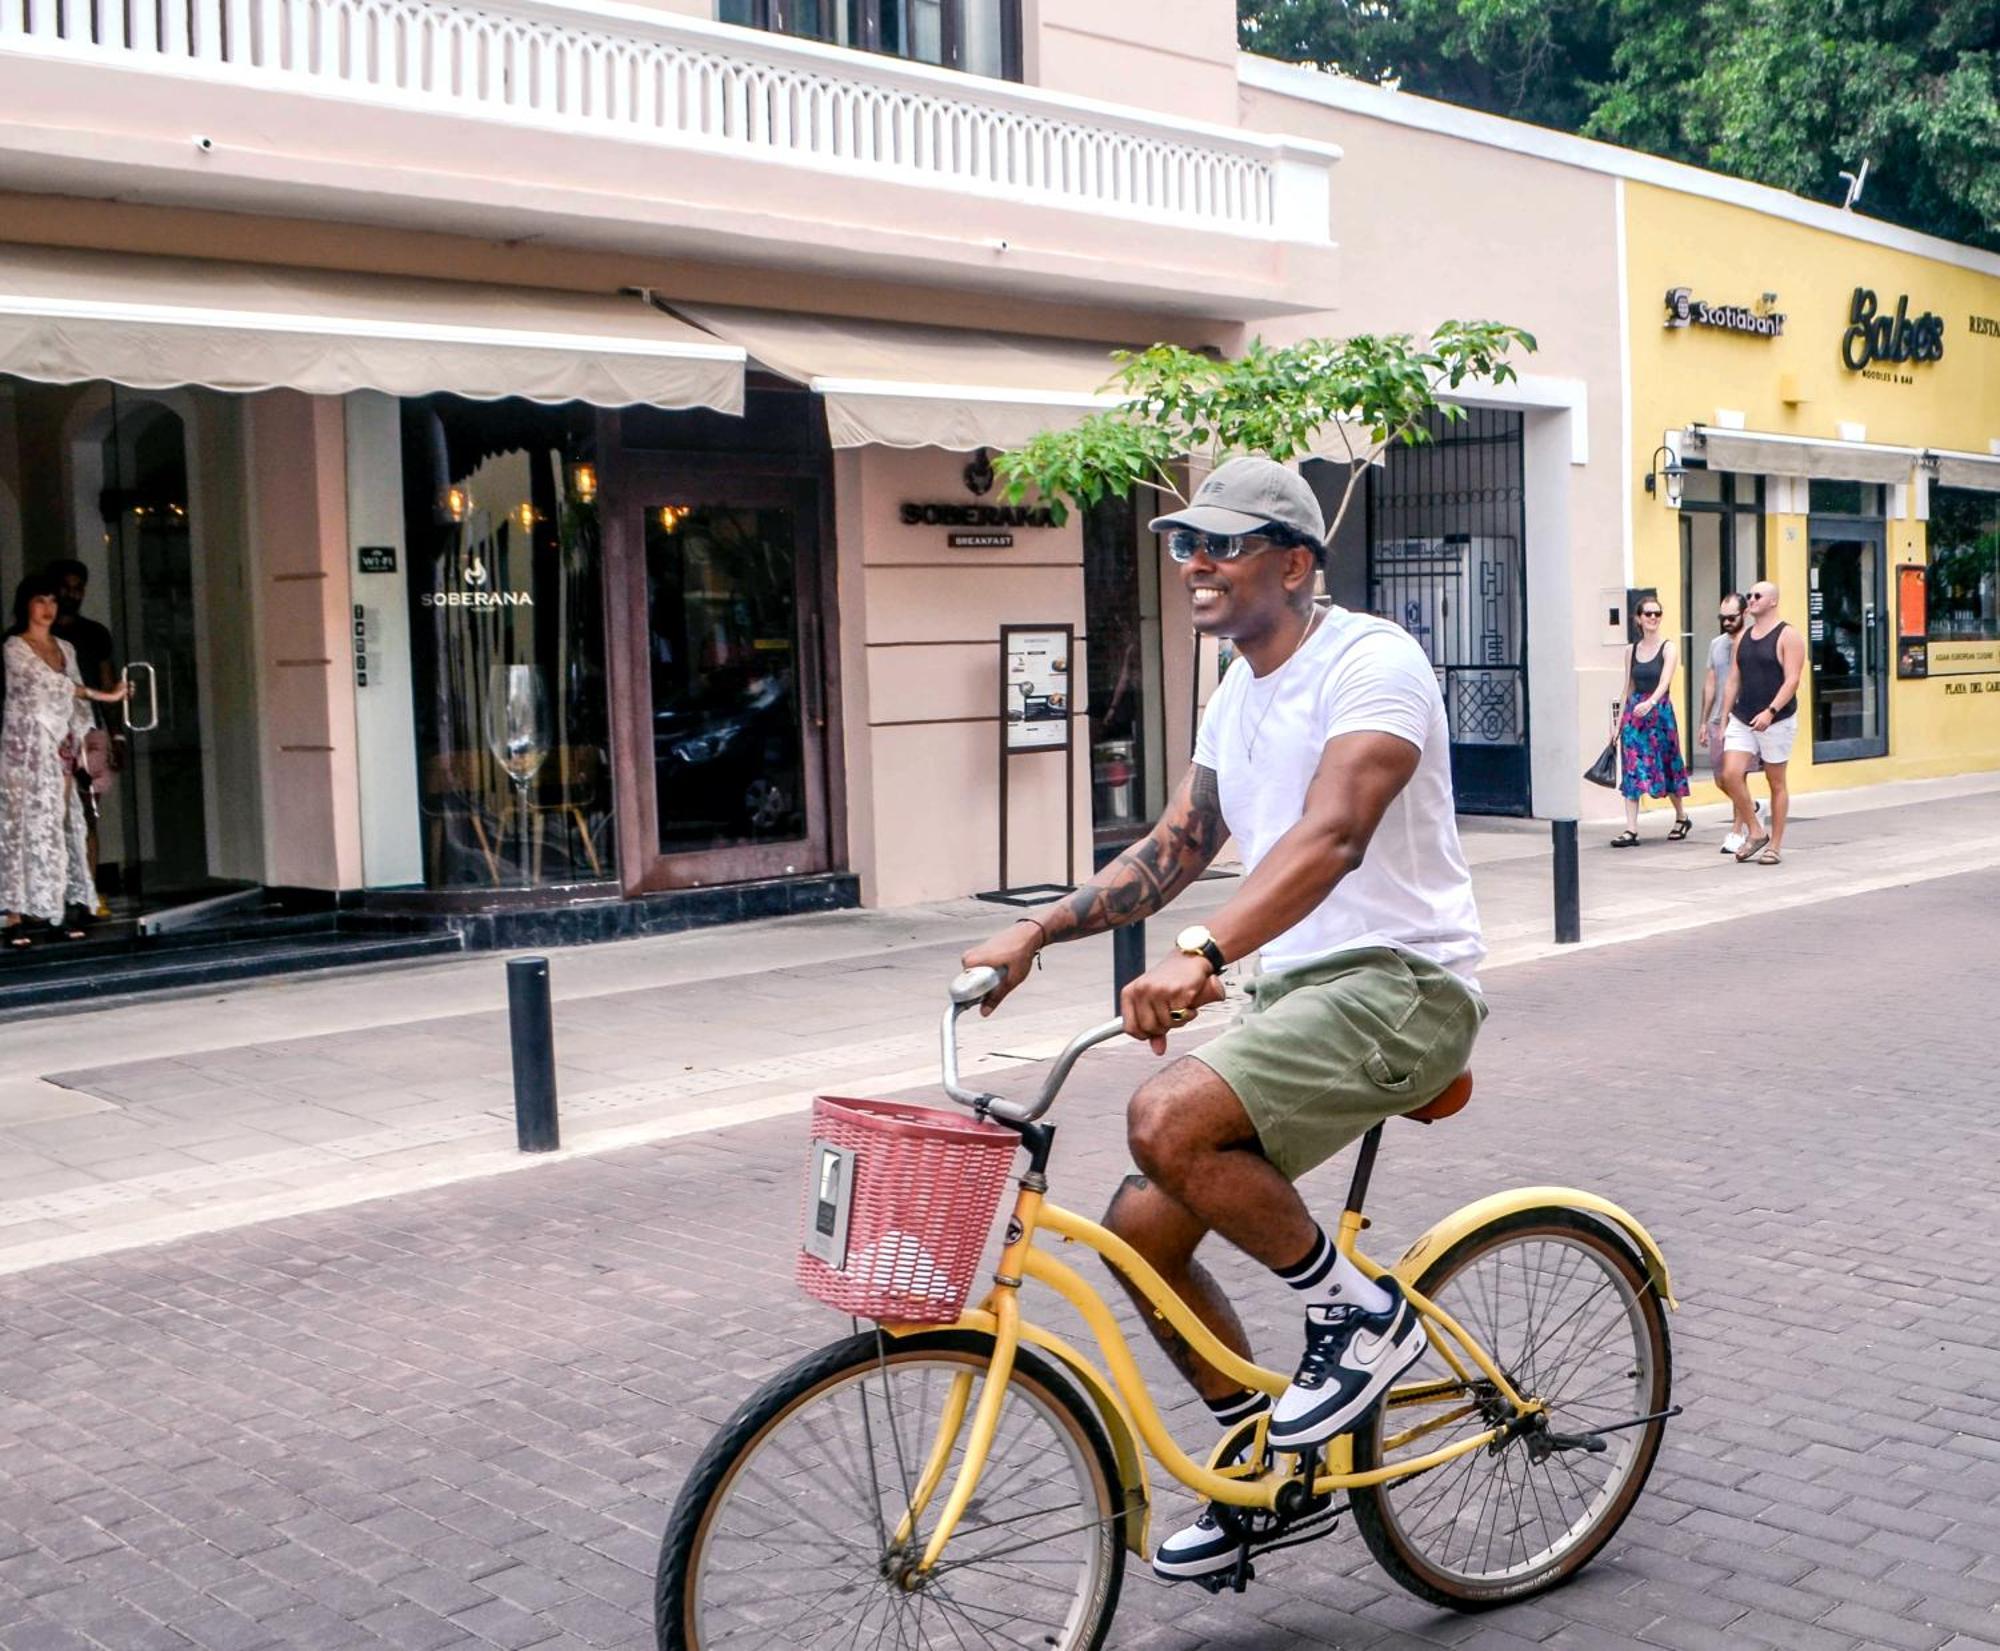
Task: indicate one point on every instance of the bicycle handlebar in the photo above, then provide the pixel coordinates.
(970, 988)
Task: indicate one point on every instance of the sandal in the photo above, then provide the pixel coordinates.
(1769, 858)
(1750, 850)
(1625, 839)
(1680, 830)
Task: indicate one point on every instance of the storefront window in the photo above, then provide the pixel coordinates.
(507, 643)
(1121, 595)
(1965, 565)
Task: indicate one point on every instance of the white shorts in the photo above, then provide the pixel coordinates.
(1773, 746)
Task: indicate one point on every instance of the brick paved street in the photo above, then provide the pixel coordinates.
(456, 1418)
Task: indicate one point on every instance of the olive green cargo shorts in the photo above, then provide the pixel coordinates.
(1324, 1053)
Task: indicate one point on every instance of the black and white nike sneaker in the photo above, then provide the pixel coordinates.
(1351, 1358)
(1200, 1549)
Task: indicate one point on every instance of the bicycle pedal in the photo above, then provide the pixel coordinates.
(1232, 1580)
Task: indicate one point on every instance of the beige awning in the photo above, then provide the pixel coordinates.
(155, 323)
(890, 384)
(1968, 470)
(1772, 455)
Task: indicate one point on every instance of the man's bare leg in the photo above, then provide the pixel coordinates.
(1734, 778)
(1204, 1172)
(1781, 801)
(1167, 1236)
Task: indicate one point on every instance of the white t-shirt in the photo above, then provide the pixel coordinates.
(1264, 737)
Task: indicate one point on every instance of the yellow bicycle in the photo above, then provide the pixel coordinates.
(978, 1482)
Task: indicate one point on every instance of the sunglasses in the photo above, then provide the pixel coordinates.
(1729, 618)
(1184, 543)
(1649, 613)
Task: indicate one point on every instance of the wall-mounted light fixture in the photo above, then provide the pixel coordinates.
(672, 515)
(457, 503)
(1671, 473)
(583, 482)
(526, 514)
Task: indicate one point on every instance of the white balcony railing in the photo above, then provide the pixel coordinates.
(610, 68)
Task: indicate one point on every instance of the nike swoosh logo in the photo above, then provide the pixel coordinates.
(1365, 1351)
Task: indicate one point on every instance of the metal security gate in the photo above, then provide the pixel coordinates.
(1445, 536)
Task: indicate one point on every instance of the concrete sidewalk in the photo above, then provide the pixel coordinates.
(134, 1123)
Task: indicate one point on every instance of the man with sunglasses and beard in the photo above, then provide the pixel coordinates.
(1715, 709)
(1326, 755)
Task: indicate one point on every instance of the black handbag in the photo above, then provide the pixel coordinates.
(1604, 771)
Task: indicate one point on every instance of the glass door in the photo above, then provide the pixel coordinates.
(152, 831)
(1845, 641)
(728, 707)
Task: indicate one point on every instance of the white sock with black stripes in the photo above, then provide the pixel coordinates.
(1238, 1407)
(1326, 1276)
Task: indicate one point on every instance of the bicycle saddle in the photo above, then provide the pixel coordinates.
(1452, 1098)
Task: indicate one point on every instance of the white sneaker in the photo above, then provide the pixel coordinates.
(1351, 1357)
(1199, 1549)
(1734, 841)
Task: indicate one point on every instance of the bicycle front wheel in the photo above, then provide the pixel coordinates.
(1563, 1306)
(795, 1527)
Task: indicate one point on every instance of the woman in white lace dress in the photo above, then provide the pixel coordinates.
(44, 852)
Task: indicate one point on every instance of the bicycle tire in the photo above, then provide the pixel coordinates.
(1397, 1520)
(681, 1586)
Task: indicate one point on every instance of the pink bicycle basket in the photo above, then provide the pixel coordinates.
(922, 1189)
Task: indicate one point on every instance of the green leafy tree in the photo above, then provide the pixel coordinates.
(1343, 399)
(1785, 92)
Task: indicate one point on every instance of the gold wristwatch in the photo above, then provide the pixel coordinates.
(1196, 941)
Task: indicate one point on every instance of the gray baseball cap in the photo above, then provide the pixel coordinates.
(1246, 494)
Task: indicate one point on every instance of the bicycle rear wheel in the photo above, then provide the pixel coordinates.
(1563, 1306)
(785, 1533)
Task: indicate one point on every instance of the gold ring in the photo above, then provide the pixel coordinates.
(1180, 1016)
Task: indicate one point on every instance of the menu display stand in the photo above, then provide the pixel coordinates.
(1037, 717)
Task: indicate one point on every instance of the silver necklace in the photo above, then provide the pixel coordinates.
(1250, 745)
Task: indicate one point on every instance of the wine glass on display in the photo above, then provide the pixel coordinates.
(517, 733)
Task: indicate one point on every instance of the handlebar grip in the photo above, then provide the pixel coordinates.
(973, 985)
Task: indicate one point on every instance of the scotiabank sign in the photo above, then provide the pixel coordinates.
(1686, 310)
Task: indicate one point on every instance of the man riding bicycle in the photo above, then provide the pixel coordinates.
(1325, 754)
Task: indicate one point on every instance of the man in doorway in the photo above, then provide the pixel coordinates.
(1715, 709)
(91, 640)
(1763, 699)
(1326, 754)
(92, 643)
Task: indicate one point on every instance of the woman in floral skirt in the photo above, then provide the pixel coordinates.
(1649, 739)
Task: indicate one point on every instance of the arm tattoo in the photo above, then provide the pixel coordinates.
(1153, 870)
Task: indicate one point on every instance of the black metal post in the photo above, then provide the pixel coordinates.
(1128, 958)
(1128, 944)
(1569, 902)
(533, 1030)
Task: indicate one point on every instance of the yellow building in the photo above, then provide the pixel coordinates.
(1833, 398)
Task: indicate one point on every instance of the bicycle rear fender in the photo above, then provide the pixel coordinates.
(1473, 1216)
(1125, 1446)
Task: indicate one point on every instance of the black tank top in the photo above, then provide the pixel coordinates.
(1760, 675)
(1646, 672)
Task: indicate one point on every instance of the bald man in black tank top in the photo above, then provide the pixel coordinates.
(1763, 699)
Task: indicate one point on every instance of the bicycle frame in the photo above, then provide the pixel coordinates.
(1119, 1389)
(1000, 1316)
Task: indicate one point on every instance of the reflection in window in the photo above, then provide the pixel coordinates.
(1965, 565)
(728, 750)
(507, 643)
(979, 36)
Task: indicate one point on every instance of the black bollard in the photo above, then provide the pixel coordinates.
(1128, 958)
(1128, 945)
(534, 1038)
(1569, 902)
